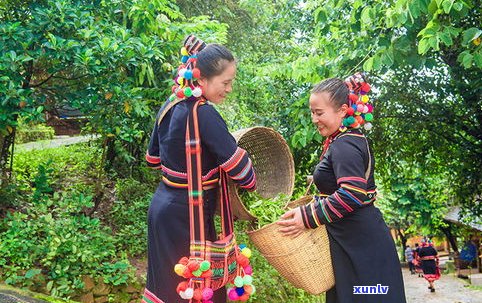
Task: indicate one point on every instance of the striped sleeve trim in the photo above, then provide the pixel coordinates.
(345, 179)
(234, 160)
(353, 188)
(251, 185)
(311, 213)
(325, 212)
(332, 208)
(304, 216)
(247, 169)
(352, 197)
(342, 203)
(314, 215)
(153, 162)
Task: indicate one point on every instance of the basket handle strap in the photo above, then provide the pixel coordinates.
(167, 109)
(227, 221)
(195, 191)
(194, 182)
(369, 168)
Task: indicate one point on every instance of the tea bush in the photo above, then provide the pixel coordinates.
(129, 215)
(50, 236)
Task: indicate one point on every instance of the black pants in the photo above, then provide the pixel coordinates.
(411, 267)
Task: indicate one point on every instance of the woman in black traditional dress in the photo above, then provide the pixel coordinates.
(206, 75)
(428, 257)
(364, 258)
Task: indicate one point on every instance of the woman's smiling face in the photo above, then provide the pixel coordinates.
(324, 115)
(216, 88)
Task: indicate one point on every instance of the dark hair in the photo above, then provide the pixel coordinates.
(212, 60)
(336, 88)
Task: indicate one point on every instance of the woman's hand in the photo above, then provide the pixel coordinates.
(292, 223)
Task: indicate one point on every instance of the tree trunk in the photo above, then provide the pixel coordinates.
(448, 233)
(403, 239)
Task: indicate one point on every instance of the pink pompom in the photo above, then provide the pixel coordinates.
(232, 295)
(370, 108)
(248, 270)
(207, 293)
(359, 108)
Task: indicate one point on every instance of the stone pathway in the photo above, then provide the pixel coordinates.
(58, 141)
(9, 296)
(449, 289)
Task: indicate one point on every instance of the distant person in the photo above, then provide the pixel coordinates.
(430, 264)
(409, 259)
(468, 254)
(416, 261)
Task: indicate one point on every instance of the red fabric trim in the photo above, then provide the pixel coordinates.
(152, 159)
(149, 295)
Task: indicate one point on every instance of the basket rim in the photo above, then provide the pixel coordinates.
(242, 213)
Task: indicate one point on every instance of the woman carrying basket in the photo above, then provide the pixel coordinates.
(207, 74)
(364, 258)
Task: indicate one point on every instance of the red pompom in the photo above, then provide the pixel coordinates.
(242, 260)
(198, 295)
(196, 73)
(207, 274)
(180, 94)
(187, 273)
(244, 297)
(350, 111)
(193, 265)
(359, 119)
(183, 260)
(182, 286)
(365, 87)
(353, 98)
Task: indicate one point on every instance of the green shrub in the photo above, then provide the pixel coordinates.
(33, 132)
(74, 166)
(54, 235)
(129, 215)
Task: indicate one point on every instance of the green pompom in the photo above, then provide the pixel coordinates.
(205, 265)
(188, 92)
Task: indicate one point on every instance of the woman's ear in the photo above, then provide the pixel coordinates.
(201, 81)
(343, 110)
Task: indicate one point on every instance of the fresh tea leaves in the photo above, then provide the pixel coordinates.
(266, 210)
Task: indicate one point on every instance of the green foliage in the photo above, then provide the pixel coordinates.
(72, 166)
(33, 132)
(129, 215)
(53, 234)
(110, 59)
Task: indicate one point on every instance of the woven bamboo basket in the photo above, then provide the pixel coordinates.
(272, 162)
(304, 261)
